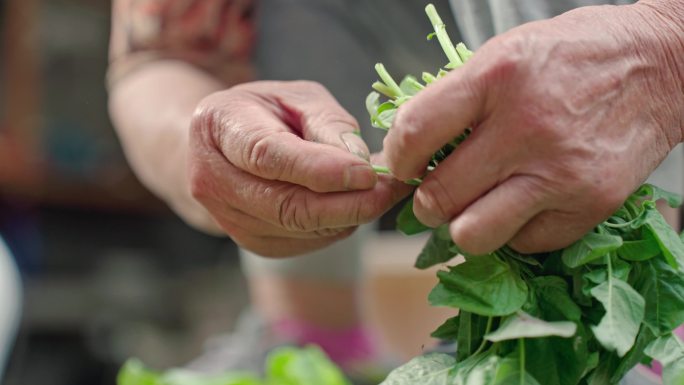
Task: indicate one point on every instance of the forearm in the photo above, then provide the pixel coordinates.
(151, 109)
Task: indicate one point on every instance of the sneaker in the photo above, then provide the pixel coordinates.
(243, 350)
(246, 350)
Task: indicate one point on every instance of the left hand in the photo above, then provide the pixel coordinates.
(569, 116)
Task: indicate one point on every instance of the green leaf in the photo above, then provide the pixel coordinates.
(670, 244)
(624, 312)
(509, 373)
(669, 350)
(307, 366)
(135, 373)
(386, 118)
(591, 247)
(558, 361)
(430, 369)
(471, 331)
(621, 269)
(448, 330)
(673, 374)
(484, 285)
(663, 289)
(482, 372)
(553, 293)
(666, 349)
(608, 363)
(656, 194)
(523, 325)
(526, 259)
(372, 104)
(597, 276)
(187, 377)
(475, 365)
(639, 250)
(436, 250)
(407, 222)
(635, 356)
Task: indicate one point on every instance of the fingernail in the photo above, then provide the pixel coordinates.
(355, 145)
(360, 177)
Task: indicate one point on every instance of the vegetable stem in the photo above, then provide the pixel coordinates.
(484, 341)
(384, 170)
(385, 90)
(521, 343)
(443, 37)
(428, 77)
(381, 169)
(388, 80)
(463, 52)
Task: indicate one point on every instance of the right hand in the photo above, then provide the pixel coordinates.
(281, 169)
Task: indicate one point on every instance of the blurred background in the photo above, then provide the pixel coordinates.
(108, 272)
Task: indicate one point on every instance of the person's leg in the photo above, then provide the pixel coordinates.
(312, 299)
(10, 304)
(309, 299)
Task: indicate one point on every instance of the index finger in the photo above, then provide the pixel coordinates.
(254, 136)
(428, 121)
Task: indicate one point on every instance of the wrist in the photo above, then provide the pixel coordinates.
(660, 37)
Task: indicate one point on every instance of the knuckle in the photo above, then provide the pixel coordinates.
(406, 135)
(467, 238)
(507, 55)
(264, 155)
(523, 243)
(540, 234)
(294, 211)
(210, 120)
(407, 129)
(435, 200)
(258, 154)
(203, 120)
(200, 181)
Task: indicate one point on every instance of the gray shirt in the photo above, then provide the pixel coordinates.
(481, 19)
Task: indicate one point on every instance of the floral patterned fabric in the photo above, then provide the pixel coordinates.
(216, 35)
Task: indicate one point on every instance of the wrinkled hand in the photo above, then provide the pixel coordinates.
(569, 116)
(280, 167)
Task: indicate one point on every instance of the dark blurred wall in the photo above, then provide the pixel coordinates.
(109, 272)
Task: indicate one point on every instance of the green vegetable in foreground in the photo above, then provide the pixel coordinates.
(284, 366)
(584, 315)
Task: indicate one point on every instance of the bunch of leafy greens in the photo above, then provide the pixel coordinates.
(284, 366)
(582, 315)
